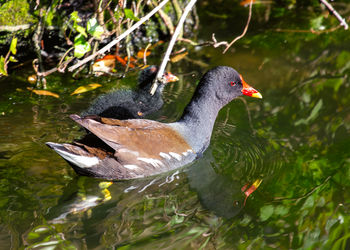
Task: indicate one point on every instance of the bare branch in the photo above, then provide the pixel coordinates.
(245, 28)
(121, 37)
(225, 43)
(171, 45)
(336, 14)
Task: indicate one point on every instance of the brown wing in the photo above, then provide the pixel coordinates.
(135, 138)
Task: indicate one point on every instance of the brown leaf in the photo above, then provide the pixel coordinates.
(43, 92)
(83, 89)
(178, 57)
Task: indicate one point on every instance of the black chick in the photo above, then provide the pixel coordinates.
(131, 104)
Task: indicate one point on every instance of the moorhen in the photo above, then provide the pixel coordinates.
(138, 148)
(128, 104)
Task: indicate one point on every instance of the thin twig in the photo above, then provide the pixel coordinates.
(245, 28)
(145, 54)
(225, 43)
(336, 14)
(305, 195)
(159, 77)
(121, 37)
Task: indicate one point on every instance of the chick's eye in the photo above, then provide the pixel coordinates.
(233, 83)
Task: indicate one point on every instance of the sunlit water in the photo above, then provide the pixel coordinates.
(297, 147)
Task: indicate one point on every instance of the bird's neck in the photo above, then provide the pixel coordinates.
(198, 121)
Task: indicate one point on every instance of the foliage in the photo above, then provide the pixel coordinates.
(9, 57)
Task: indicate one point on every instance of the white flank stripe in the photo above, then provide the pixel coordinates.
(131, 167)
(125, 150)
(81, 161)
(165, 156)
(153, 162)
(176, 156)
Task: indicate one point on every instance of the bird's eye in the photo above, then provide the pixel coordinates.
(233, 83)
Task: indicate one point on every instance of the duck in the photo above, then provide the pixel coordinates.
(139, 148)
(128, 104)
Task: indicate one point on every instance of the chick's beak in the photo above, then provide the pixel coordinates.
(249, 91)
(170, 77)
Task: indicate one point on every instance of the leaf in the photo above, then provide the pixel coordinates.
(13, 46)
(309, 203)
(312, 115)
(266, 212)
(129, 14)
(75, 17)
(81, 46)
(281, 210)
(176, 219)
(94, 28)
(13, 59)
(178, 57)
(316, 23)
(43, 92)
(315, 110)
(141, 53)
(83, 89)
(81, 30)
(3, 70)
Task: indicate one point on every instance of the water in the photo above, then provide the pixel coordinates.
(295, 140)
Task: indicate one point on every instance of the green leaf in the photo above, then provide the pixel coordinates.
(312, 116)
(13, 59)
(316, 23)
(315, 110)
(75, 17)
(49, 17)
(281, 210)
(266, 212)
(129, 14)
(81, 30)
(309, 203)
(94, 28)
(81, 46)
(176, 219)
(3, 71)
(13, 46)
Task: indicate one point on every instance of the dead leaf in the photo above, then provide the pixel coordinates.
(83, 89)
(43, 92)
(141, 53)
(178, 57)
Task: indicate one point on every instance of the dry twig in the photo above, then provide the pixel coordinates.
(228, 45)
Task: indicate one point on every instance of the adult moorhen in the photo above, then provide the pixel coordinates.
(128, 104)
(139, 148)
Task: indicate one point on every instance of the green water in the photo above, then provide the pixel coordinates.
(296, 140)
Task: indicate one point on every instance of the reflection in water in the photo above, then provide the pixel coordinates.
(217, 192)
